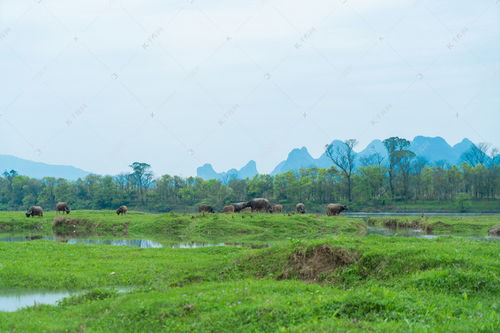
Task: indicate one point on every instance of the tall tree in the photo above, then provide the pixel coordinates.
(142, 177)
(396, 150)
(343, 156)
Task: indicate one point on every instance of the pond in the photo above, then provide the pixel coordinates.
(367, 214)
(14, 300)
(141, 243)
(419, 233)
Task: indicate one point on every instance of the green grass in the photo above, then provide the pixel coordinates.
(322, 275)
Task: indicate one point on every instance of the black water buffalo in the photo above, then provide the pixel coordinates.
(122, 210)
(63, 207)
(205, 209)
(335, 209)
(239, 206)
(260, 205)
(300, 208)
(35, 211)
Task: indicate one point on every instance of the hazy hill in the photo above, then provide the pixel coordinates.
(433, 149)
(38, 169)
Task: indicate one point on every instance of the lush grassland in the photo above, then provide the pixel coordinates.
(322, 275)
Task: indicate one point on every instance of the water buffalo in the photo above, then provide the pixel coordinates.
(228, 209)
(35, 211)
(239, 206)
(335, 209)
(300, 208)
(62, 207)
(122, 210)
(205, 209)
(277, 208)
(260, 205)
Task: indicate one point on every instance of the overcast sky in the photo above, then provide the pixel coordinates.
(99, 84)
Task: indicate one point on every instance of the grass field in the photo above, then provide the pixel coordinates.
(322, 274)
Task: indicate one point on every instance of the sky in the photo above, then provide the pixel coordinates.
(100, 84)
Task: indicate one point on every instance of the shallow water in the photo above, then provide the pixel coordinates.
(194, 245)
(15, 300)
(400, 232)
(418, 233)
(364, 214)
(141, 243)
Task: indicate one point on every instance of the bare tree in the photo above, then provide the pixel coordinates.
(476, 154)
(343, 157)
(375, 159)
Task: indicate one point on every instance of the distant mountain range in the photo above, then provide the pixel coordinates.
(39, 170)
(434, 149)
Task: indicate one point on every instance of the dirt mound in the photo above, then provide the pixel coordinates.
(309, 264)
(494, 231)
(63, 224)
(393, 223)
(71, 226)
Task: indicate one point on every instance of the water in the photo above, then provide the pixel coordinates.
(194, 245)
(15, 300)
(400, 232)
(141, 243)
(364, 214)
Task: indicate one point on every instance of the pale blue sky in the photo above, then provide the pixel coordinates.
(100, 84)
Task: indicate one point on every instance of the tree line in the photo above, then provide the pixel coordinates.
(376, 181)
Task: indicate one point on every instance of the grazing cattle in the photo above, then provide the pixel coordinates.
(260, 205)
(300, 208)
(277, 208)
(228, 209)
(494, 231)
(35, 211)
(246, 210)
(62, 207)
(335, 209)
(205, 209)
(239, 206)
(122, 210)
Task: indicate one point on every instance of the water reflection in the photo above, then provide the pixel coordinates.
(14, 300)
(194, 245)
(419, 233)
(141, 243)
(367, 214)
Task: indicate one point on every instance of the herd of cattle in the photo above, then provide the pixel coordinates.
(263, 205)
(62, 207)
(254, 205)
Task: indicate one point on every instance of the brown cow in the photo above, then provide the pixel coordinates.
(300, 208)
(62, 207)
(228, 209)
(246, 210)
(335, 209)
(277, 208)
(205, 209)
(122, 210)
(35, 211)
